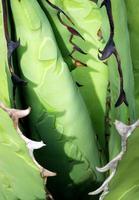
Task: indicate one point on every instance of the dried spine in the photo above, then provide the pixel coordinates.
(110, 49)
(73, 32)
(11, 47)
(124, 131)
(15, 115)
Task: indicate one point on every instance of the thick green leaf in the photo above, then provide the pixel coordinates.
(93, 78)
(19, 177)
(122, 43)
(133, 24)
(59, 116)
(125, 184)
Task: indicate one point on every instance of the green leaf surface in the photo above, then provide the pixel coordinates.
(133, 25)
(122, 43)
(94, 77)
(19, 177)
(59, 116)
(125, 184)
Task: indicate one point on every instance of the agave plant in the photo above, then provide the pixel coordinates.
(59, 104)
(16, 166)
(86, 69)
(74, 63)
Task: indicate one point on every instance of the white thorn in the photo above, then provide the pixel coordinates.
(35, 145)
(106, 191)
(124, 131)
(104, 185)
(111, 165)
(47, 173)
(15, 115)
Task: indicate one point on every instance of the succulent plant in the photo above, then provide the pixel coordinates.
(69, 80)
(16, 166)
(60, 118)
(88, 72)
